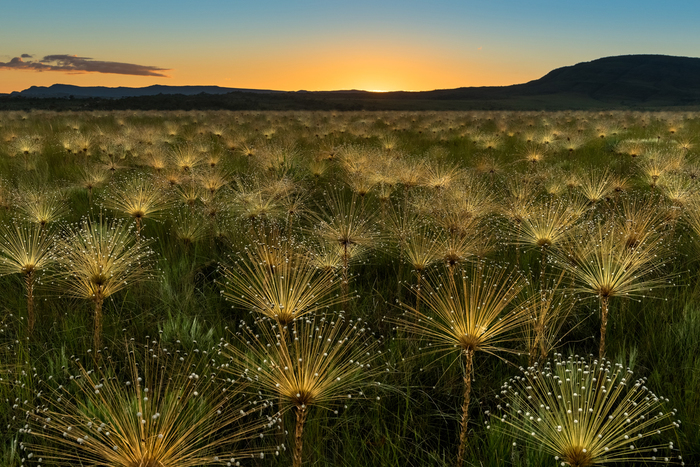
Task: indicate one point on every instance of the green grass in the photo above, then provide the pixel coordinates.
(416, 421)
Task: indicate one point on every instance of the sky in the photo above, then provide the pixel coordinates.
(327, 45)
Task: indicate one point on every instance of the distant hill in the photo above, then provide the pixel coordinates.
(67, 90)
(621, 82)
(630, 77)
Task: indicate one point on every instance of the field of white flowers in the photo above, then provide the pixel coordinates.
(317, 288)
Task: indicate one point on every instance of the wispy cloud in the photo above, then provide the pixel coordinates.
(75, 64)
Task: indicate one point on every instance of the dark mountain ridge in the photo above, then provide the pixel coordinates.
(641, 77)
(627, 81)
(68, 90)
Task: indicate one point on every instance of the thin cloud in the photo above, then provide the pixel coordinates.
(78, 65)
(26, 55)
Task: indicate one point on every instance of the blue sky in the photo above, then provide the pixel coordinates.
(331, 45)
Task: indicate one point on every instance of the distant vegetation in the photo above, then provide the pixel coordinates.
(349, 288)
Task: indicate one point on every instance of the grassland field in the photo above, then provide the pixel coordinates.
(348, 288)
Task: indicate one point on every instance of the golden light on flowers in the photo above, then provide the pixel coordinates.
(461, 206)
(325, 359)
(170, 408)
(349, 223)
(97, 259)
(280, 280)
(186, 158)
(587, 413)
(545, 225)
(596, 185)
(549, 307)
(139, 198)
(41, 207)
(92, 177)
(468, 314)
(604, 265)
(282, 211)
(28, 251)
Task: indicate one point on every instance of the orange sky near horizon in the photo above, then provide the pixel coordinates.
(346, 70)
(327, 45)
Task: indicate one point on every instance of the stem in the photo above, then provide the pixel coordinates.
(543, 347)
(533, 350)
(138, 229)
(399, 274)
(31, 319)
(469, 356)
(517, 247)
(97, 337)
(301, 414)
(344, 284)
(281, 435)
(251, 226)
(418, 294)
(281, 438)
(543, 265)
(603, 325)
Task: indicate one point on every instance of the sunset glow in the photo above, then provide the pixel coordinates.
(322, 46)
(358, 233)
